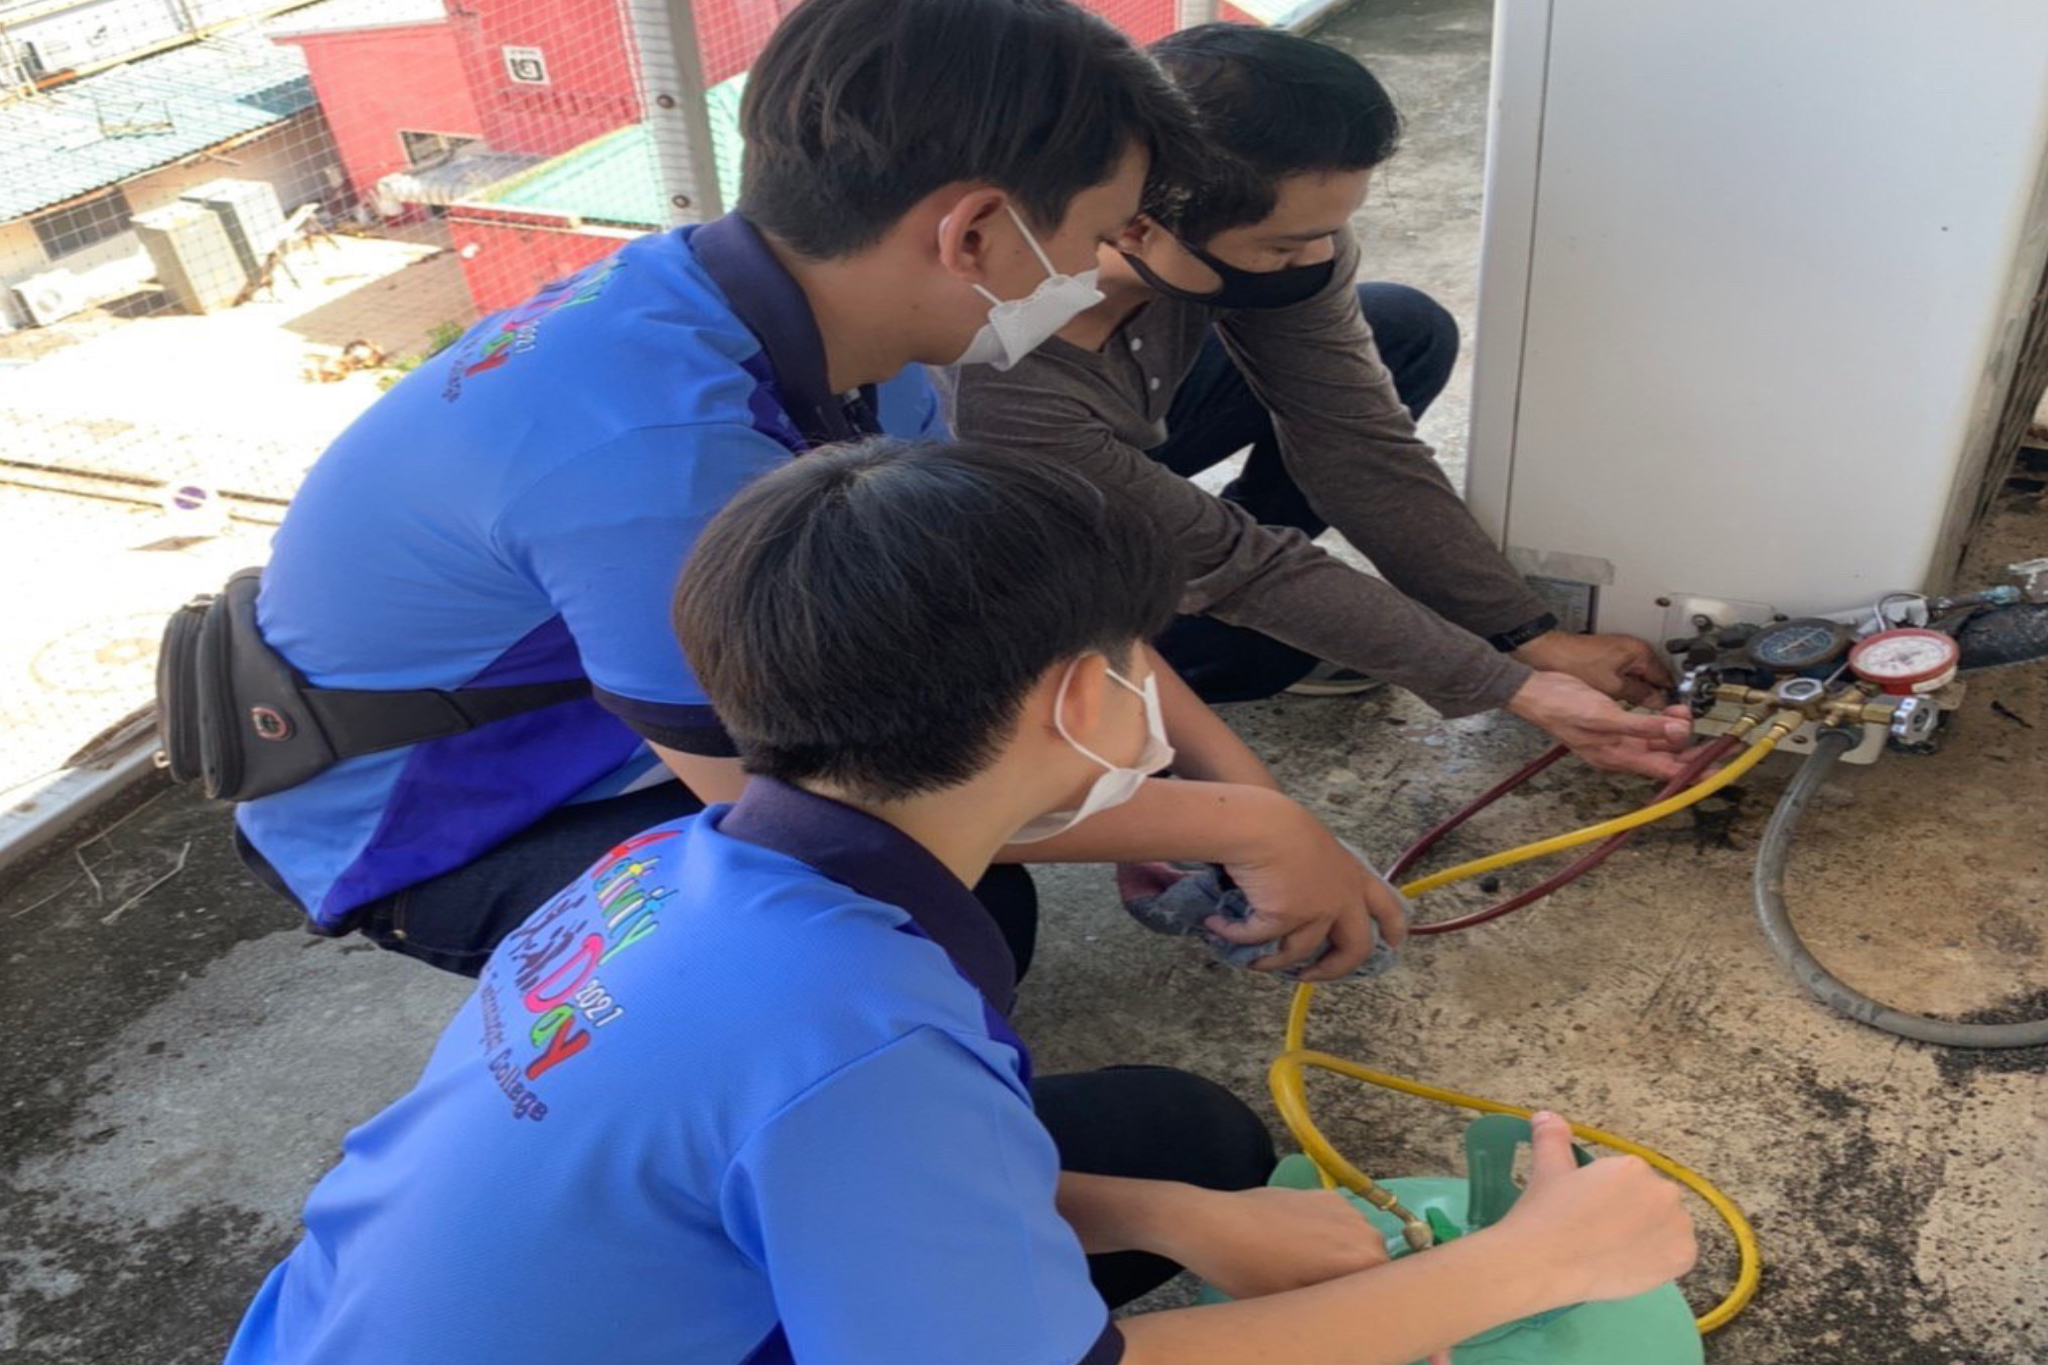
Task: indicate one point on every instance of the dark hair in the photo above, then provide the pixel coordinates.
(857, 109)
(873, 615)
(1268, 105)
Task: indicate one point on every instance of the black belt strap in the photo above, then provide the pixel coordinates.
(363, 722)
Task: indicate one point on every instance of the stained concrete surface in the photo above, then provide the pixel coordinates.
(220, 400)
(184, 1066)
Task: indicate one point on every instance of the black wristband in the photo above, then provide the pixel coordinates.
(1510, 640)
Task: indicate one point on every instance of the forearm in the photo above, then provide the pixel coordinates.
(1281, 585)
(1390, 1315)
(1111, 1213)
(1272, 579)
(1172, 821)
(1381, 488)
(1205, 749)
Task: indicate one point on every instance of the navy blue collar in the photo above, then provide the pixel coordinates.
(772, 305)
(882, 863)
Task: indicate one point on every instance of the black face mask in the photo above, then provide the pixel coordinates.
(1244, 288)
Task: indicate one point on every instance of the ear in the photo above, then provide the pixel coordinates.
(964, 241)
(1083, 702)
(1138, 234)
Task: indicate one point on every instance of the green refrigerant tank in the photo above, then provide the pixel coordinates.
(1656, 1328)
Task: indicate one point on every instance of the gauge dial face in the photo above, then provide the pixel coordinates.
(1804, 643)
(1904, 656)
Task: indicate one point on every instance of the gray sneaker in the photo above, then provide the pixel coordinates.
(1334, 680)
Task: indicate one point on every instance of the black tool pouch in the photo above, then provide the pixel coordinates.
(177, 696)
(234, 715)
(258, 733)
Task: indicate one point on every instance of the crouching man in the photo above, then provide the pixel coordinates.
(746, 1090)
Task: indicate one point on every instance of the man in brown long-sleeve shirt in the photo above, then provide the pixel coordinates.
(1231, 319)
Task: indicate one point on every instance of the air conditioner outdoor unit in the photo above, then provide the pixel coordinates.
(49, 297)
(250, 213)
(194, 256)
(1752, 298)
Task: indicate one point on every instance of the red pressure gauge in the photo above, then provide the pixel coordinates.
(1906, 660)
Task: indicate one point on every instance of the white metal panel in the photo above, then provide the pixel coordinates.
(249, 213)
(1772, 254)
(1507, 227)
(49, 297)
(194, 258)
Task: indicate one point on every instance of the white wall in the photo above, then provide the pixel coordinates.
(293, 158)
(20, 253)
(92, 31)
(98, 31)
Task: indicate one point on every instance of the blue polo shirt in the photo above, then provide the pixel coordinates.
(517, 511)
(743, 1093)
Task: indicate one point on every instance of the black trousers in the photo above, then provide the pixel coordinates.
(1215, 415)
(453, 921)
(1151, 1123)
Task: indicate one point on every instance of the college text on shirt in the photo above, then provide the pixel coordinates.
(553, 961)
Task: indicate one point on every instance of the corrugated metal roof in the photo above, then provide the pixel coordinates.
(468, 174)
(101, 130)
(616, 179)
(613, 179)
(338, 15)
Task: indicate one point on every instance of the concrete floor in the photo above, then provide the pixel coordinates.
(186, 1064)
(220, 400)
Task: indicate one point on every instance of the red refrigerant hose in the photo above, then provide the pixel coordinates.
(1706, 758)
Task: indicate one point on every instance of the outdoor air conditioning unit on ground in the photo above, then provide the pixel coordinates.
(251, 214)
(1755, 284)
(195, 258)
(49, 297)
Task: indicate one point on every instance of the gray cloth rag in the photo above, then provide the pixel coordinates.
(1178, 898)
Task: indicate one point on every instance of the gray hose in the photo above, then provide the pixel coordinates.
(1784, 939)
(2004, 636)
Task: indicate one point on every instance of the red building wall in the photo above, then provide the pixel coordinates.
(506, 263)
(731, 33)
(452, 78)
(590, 86)
(373, 82)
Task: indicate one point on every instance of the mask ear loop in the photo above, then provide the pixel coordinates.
(1059, 702)
(1155, 710)
(1052, 272)
(1059, 720)
(1030, 240)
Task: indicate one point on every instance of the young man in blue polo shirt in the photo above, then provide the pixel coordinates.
(746, 1092)
(926, 181)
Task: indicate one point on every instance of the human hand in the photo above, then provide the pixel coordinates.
(1600, 731)
(1306, 889)
(1622, 666)
(1267, 1241)
(1610, 1230)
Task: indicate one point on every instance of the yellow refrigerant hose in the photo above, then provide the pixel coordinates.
(1289, 1080)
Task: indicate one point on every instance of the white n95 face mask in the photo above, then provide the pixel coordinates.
(1116, 785)
(1017, 327)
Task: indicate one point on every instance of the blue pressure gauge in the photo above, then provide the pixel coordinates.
(1804, 643)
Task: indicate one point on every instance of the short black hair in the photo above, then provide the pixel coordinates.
(873, 615)
(857, 109)
(1268, 105)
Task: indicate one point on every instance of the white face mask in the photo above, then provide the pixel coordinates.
(1116, 785)
(1017, 327)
